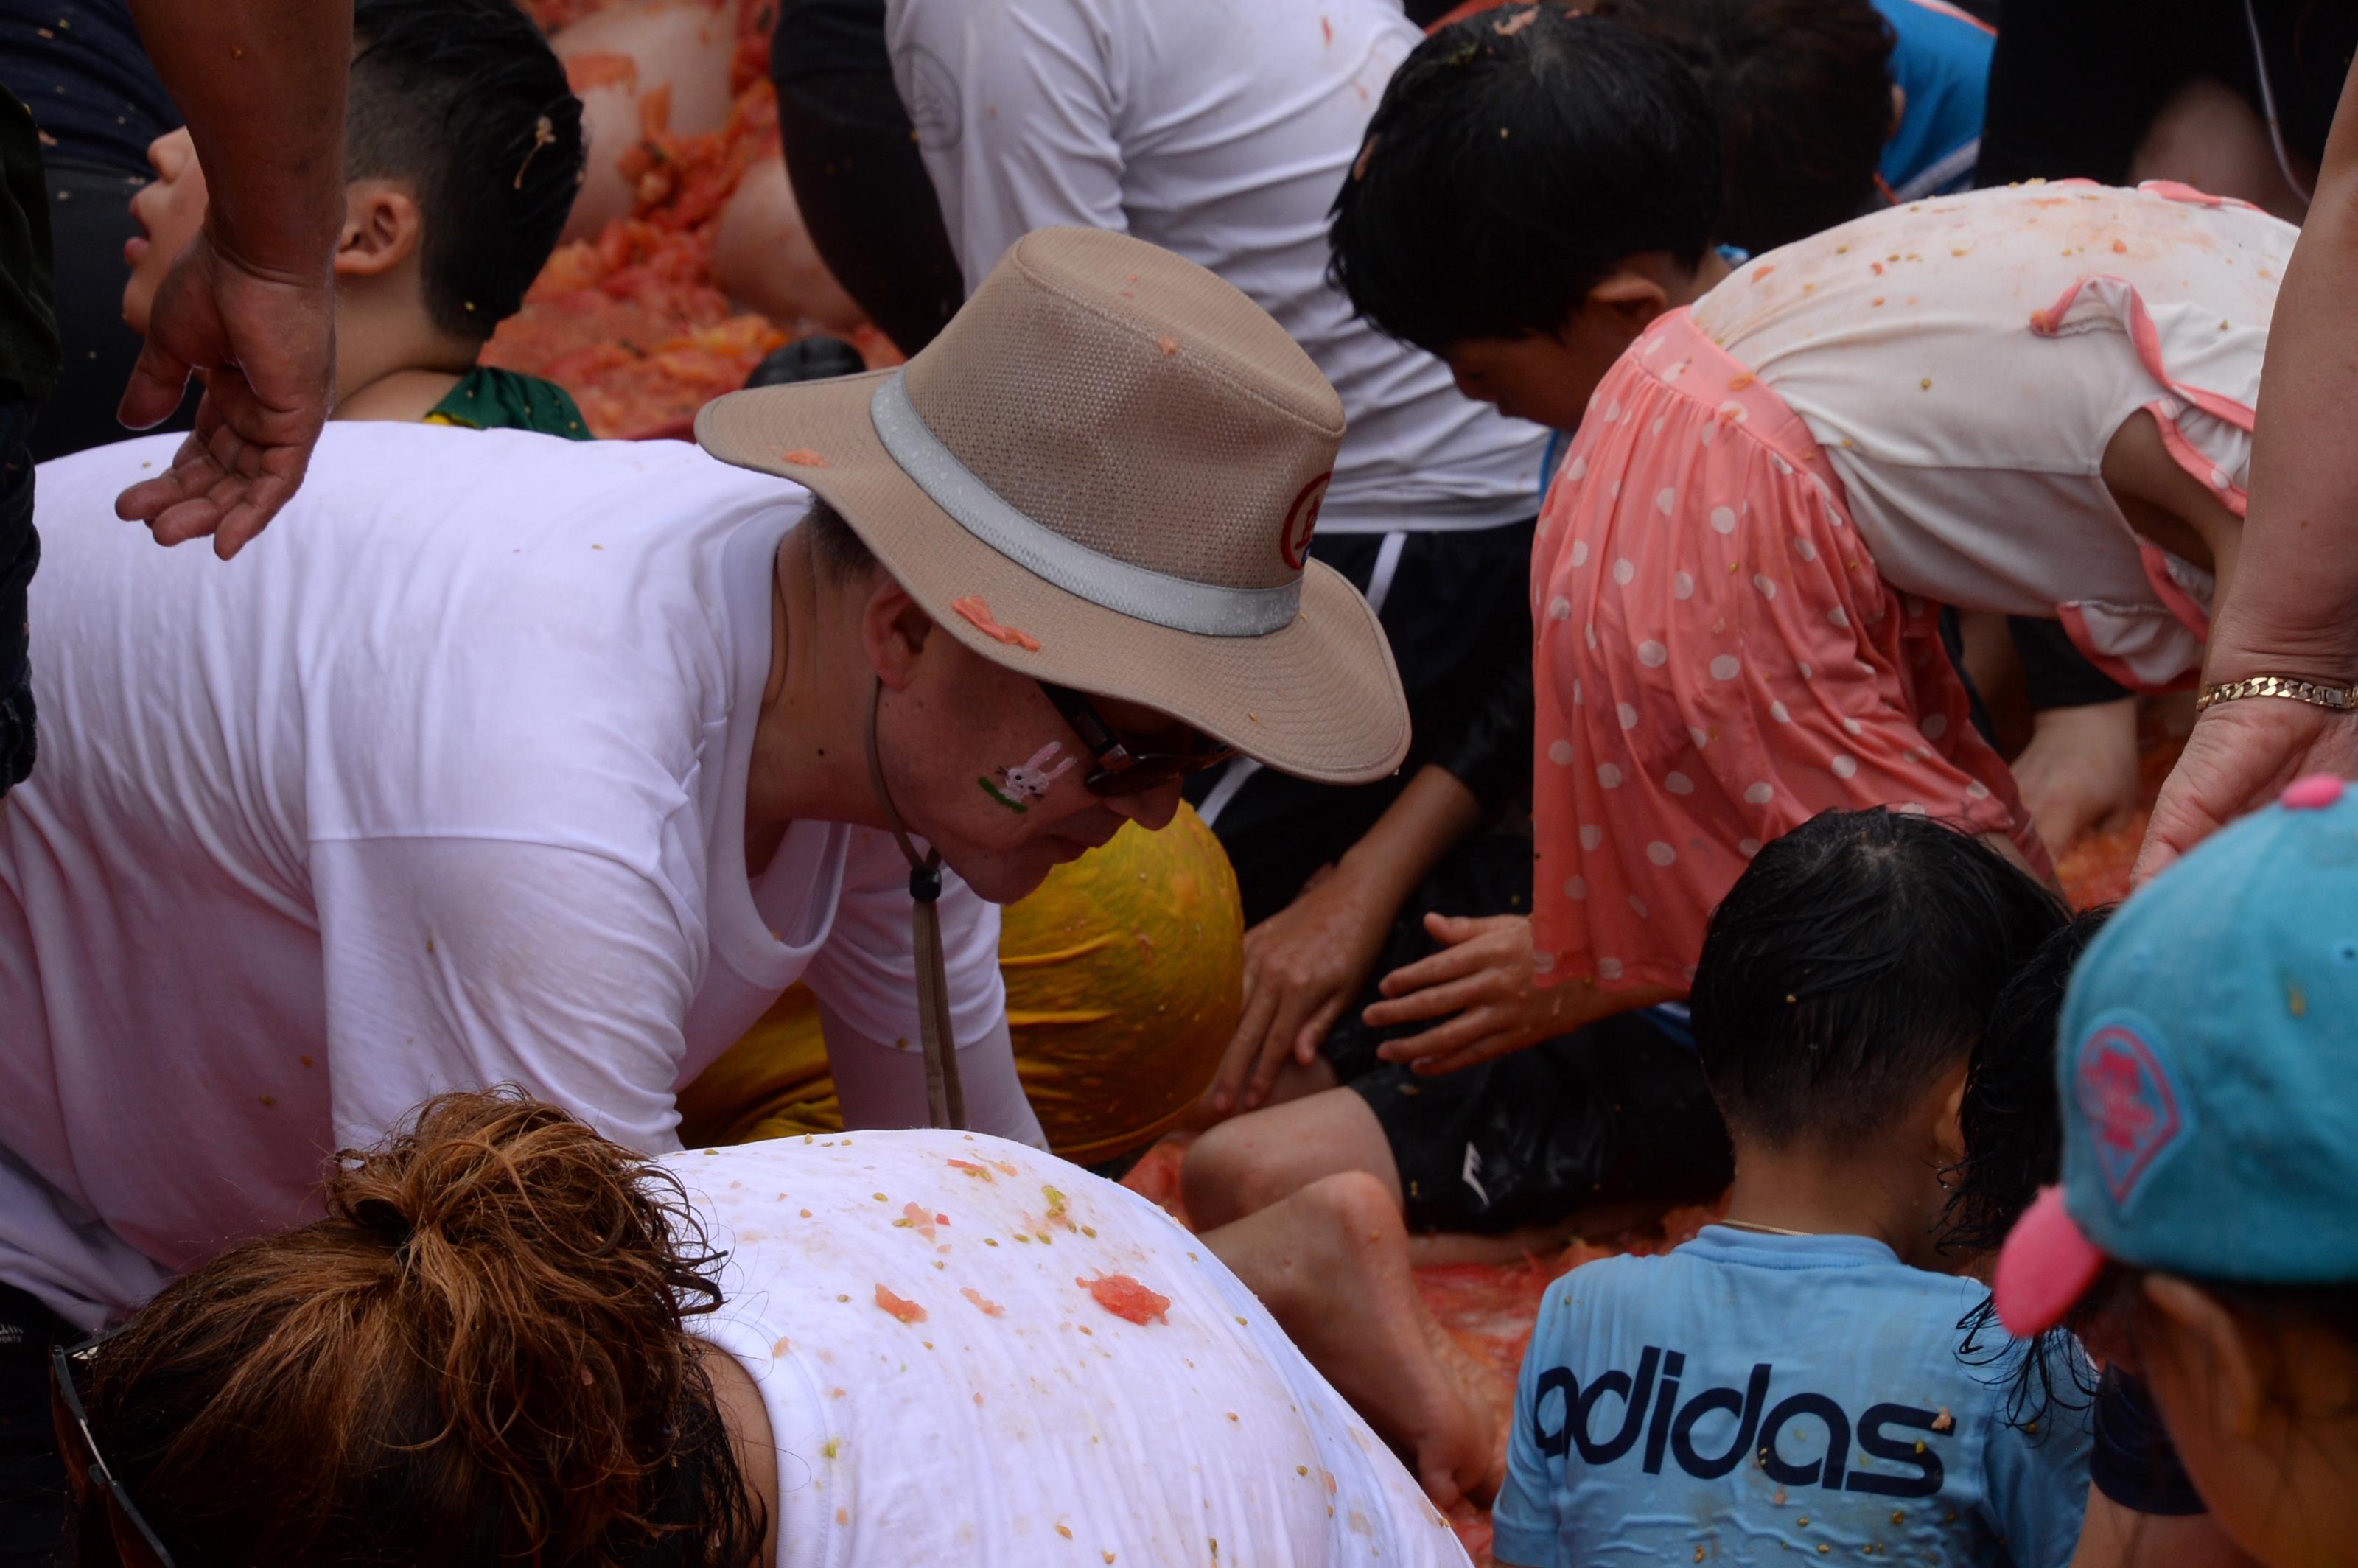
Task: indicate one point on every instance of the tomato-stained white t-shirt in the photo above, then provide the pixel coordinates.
(973, 1353)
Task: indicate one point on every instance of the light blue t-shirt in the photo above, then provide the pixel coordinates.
(1941, 59)
(1746, 1397)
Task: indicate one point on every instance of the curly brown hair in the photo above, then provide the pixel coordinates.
(480, 1356)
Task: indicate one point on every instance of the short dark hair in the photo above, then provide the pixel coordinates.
(1855, 959)
(465, 100)
(1802, 89)
(841, 554)
(1516, 158)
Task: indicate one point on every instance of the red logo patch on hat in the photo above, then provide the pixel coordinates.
(1302, 521)
(2125, 1094)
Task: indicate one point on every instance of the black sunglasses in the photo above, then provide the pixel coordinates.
(1123, 767)
(86, 1468)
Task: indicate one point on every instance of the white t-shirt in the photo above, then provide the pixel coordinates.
(440, 784)
(942, 1389)
(1220, 130)
(1962, 361)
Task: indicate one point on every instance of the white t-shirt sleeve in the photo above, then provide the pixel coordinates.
(461, 963)
(1015, 106)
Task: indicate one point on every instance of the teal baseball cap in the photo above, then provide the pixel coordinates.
(2208, 1065)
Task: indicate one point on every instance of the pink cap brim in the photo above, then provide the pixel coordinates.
(2045, 1267)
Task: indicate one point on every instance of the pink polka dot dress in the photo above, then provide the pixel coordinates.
(1736, 578)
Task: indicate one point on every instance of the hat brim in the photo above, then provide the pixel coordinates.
(2044, 1269)
(1319, 699)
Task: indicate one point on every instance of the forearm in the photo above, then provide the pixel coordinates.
(1409, 840)
(2289, 609)
(262, 84)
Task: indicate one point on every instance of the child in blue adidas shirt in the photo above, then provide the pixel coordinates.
(1788, 1380)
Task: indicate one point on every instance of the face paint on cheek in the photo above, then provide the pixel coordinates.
(1028, 781)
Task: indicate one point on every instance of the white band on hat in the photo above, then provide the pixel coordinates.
(1140, 592)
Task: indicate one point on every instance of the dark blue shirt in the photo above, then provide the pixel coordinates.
(79, 67)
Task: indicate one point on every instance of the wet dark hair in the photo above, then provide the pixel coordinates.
(1855, 959)
(2012, 1119)
(1516, 158)
(480, 1356)
(1802, 90)
(465, 100)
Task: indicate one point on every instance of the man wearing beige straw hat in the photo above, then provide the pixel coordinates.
(535, 761)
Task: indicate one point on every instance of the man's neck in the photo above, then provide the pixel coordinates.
(810, 743)
(1880, 1195)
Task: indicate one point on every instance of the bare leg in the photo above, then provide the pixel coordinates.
(1251, 1162)
(1430, 1248)
(1331, 1263)
(1295, 1082)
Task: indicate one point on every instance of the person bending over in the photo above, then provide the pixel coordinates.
(462, 152)
(1773, 487)
(557, 762)
(2203, 1227)
(1788, 1380)
(510, 1339)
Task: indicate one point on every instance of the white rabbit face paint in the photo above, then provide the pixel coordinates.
(1019, 787)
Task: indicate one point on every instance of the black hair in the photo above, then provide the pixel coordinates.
(1516, 158)
(1855, 959)
(1802, 90)
(841, 554)
(465, 100)
(2012, 1119)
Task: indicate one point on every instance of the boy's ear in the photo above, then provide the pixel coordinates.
(2215, 1347)
(1948, 1124)
(383, 228)
(1628, 300)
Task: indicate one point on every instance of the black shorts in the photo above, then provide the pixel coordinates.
(1616, 1110)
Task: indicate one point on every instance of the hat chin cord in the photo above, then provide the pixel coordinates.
(945, 1100)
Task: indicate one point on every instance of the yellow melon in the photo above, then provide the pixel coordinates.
(1124, 980)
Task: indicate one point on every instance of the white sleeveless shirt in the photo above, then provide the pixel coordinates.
(1964, 360)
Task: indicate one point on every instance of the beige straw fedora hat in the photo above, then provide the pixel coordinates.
(1105, 473)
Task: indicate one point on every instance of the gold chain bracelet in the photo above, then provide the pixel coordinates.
(2342, 697)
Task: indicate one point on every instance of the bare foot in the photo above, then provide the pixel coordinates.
(2080, 770)
(1331, 1263)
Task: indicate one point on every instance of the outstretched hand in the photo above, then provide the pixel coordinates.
(2239, 757)
(1302, 966)
(1480, 984)
(264, 349)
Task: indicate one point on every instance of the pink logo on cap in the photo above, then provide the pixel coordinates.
(2125, 1094)
(2314, 792)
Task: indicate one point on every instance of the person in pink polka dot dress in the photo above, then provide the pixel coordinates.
(2034, 401)
(2031, 401)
